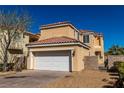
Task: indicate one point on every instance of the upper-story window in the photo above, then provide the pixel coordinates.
(86, 39)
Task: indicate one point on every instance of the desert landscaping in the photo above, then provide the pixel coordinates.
(86, 79)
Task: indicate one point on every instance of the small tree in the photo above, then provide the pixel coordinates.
(12, 25)
(116, 50)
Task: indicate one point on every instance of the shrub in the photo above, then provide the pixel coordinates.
(120, 68)
(1, 67)
(116, 65)
(10, 67)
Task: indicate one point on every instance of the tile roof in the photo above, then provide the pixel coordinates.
(55, 40)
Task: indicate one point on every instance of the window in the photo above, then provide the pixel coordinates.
(86, 38)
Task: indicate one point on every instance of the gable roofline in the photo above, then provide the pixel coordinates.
(58, 24)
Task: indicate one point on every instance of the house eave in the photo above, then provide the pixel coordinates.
(58, 25)
(58, 44)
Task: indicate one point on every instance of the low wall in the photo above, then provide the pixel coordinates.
(114, 58)
(91, 62)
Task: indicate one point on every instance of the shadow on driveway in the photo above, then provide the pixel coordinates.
(16, 77)
(111, 83)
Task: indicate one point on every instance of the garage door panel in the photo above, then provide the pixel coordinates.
(52, 58)
(52, 62)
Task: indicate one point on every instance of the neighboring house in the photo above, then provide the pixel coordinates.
(18, 47)
(25, 38)
(62, 47)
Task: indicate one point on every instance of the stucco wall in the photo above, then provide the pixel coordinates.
(81, 53)
(66, 31)
(81, 37)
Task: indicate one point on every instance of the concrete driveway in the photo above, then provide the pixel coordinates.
(30, 79)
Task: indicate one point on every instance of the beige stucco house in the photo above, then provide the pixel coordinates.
(62, 47)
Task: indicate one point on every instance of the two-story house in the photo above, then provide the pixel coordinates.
(62, 47)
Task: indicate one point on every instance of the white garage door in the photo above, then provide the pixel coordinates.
(58, 60)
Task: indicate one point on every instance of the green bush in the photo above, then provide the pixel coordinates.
(120, 68)
(117, 64)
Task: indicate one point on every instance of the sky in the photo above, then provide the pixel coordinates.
(108, 20)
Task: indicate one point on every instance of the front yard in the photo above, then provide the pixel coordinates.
(85, 79)
(57, 79)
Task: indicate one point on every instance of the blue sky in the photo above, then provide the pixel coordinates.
(106, 19)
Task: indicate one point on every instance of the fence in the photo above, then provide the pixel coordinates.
(114, 58)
